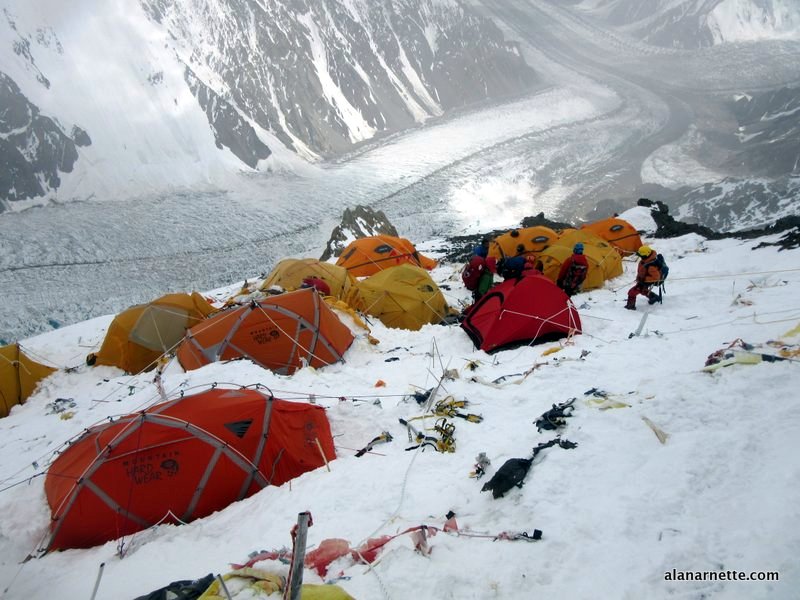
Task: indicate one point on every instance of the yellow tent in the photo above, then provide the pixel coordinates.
(290, 273)
(404, 297)
(525, 241)
(140, 335)
(604, 261)
(19, 376)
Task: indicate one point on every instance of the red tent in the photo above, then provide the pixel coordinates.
(528, 309)
(280, 333)
(178, 461)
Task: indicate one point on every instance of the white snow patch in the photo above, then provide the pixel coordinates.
(674, 165)
(711, 497)
(747, 21)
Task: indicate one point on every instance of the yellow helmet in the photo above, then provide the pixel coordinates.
(644, 251)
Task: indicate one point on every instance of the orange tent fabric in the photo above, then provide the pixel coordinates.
(525, 241)
(280, 333)
(182, 459)
(19, 376)
(368, 255)
(140, 335)
(618, 232)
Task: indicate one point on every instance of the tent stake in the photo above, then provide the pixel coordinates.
(298, 556)
(97, 581)
(319, 447)
(224, 587)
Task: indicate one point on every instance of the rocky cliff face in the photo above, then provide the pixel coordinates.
(763, 150)
(323, 75)
(230, 129)
(33, 148)
(768, 133)
(311, 78)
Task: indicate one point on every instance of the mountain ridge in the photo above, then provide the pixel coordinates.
(272, 82)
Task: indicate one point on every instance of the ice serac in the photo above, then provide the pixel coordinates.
(33, 148)
(324, 75)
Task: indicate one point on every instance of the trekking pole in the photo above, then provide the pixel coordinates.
(298, 556)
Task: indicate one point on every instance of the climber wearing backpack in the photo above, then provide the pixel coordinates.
(647, 275)
(478, 275)
(573, 271)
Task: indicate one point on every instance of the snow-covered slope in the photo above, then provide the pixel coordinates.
(717, 494)
(151, 96)
(696, 23)
(749, 20)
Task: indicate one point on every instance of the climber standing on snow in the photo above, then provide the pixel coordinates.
(573, 271)
(478, 274)
(647, 275)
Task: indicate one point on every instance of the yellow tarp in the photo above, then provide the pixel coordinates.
(252, 583)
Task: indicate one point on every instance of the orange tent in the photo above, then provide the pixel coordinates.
(178, 461)
(140, 335)
(525, 241)
(279, 333)
(368, 255)
(618, 232)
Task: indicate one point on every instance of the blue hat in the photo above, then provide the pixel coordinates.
(578, 249)
(480, 251)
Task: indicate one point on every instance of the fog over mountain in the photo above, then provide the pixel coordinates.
(176, 144)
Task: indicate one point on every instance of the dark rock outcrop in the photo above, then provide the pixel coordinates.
(230, 129)
(33, 148)
(357, 222)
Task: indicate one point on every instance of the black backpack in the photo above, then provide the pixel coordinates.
(661, 263)
(511, 267)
